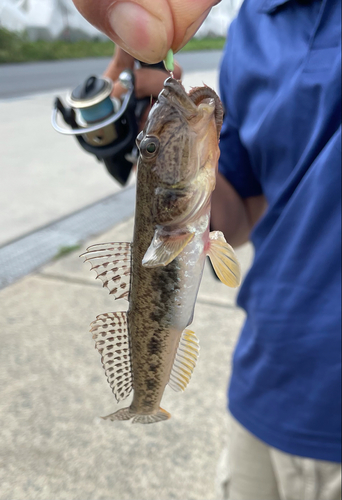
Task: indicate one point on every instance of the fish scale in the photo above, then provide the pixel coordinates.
(159, 273)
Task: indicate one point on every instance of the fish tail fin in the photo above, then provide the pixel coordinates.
(127, 414)
(123, 414)
(151, 419)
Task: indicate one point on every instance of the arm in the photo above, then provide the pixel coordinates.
(233, 215)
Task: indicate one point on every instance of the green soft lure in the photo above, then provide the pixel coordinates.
(168, 61)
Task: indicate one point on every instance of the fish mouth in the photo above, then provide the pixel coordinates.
(175, 93)
(188, 104)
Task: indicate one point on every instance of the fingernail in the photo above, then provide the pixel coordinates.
(143, 35)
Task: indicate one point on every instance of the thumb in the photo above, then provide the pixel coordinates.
(147, 29)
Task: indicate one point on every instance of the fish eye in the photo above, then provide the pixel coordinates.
(149, 147)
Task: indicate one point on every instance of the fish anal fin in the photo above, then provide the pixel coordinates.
(112, 264)
(224, 260)
(111, 340)
(185, 361)
(164, 248)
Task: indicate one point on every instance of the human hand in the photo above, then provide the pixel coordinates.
(147, 29)
(119, 63)
(148, 81)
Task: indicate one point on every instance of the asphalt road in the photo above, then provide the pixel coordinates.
(18, 80)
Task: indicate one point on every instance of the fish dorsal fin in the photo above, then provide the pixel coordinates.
(165, 248)
(224, 260)
(111, 340)
(185, 361)
(112, 264)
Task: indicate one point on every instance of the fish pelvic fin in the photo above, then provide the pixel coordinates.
(185, 361)
(112, 264)
(127, 414)
(164, 248)
(111, 340)
(224, 260)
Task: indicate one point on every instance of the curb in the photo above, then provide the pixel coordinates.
(28, 253)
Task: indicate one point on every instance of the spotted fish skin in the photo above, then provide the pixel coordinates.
(153, 300)
(175, 178)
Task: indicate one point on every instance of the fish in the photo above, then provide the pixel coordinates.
(159, 273)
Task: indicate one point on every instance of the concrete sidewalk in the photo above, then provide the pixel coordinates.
(53, 389)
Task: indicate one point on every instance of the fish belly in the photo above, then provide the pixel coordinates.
(191, 264)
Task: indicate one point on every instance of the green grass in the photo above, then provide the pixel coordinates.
(16, 48)
(205, 44)
(63, 251)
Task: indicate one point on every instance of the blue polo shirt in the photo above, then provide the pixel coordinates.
(281, 88)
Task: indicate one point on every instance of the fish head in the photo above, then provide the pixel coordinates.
(179, 148)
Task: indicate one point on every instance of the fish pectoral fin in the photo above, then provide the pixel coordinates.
(112, 264)
(224, 260)
(164, 248)
(185, 361)
(111, 340)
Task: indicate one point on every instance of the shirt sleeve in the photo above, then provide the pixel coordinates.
(234, 161)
